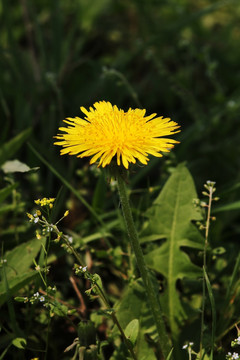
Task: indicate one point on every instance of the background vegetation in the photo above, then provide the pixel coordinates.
(176, 58)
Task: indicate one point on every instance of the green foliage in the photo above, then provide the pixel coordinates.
(178, 59)
(17, 269)
(132, 306)
(5, 192)
(171, 216)
(7, 150)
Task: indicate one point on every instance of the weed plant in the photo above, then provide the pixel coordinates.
(70, 285)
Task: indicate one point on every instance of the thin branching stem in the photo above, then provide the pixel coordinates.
(99, 290)
(208, 206)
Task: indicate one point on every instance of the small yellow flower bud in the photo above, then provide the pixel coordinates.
(57, 239)
(38, 235)
(66, 213)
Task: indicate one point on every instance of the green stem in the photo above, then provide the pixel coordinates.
(205, 269)
(116, 322)
(152, 298)
(101, 294)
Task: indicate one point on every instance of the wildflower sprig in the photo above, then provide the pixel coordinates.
(48, 300)
(97, 289)
(232, 356)
(45, 202)
(188, 346)
(96, 283)
(206, 206)
(47, 227)
(210, 190)
(39, 297)
(235, 355)
(235, 342)
(3, 262)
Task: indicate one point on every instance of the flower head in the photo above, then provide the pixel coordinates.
(45, 202)
(107, 132)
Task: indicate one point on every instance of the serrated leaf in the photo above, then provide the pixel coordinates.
(171, 215)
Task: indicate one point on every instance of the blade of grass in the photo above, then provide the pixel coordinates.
(229, 294)
(169, 355)
(213, 309)
(5, 351)
(10, 148)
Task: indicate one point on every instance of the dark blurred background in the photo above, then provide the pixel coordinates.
(178, 58)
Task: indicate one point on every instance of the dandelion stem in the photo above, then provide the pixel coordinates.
(154, 303)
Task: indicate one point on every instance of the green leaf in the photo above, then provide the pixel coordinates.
(11, 207)
(17, 267)
(58, 309)
(134, 306)
(169, 355)
(235, 205)
(21, 257)
(132, 330)
(225, 319)
(16, 284)
(13, 166)
(19, 343)
(171, 216)
(8, 149)
(213, 309)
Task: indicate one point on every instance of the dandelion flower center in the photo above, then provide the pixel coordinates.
(107, 132)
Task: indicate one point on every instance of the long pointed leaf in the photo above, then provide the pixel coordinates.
(171, 216)
(8, 149)
(213, 309)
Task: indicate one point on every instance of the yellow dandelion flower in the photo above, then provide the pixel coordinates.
(107, 132)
